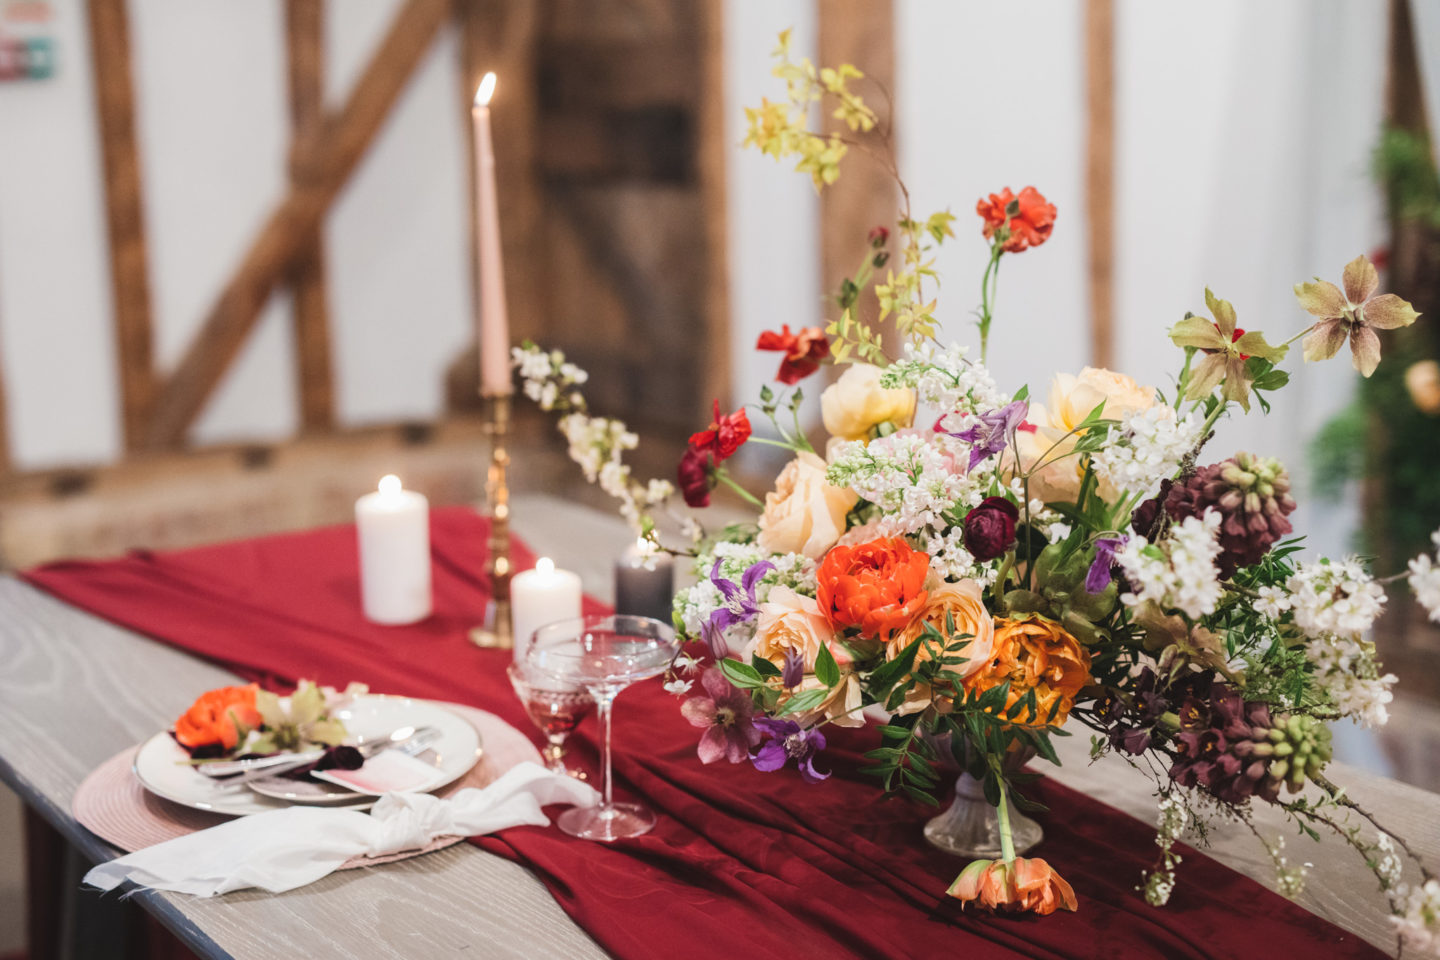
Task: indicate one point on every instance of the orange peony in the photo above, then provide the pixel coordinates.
(1034, 653)
(878, 587)
(1031, 225)
(1025, 885)
(965, 609)
(217, 717)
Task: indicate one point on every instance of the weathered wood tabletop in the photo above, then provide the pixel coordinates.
(75, 689)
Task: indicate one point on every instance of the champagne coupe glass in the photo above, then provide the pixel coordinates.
(555, 707)
(604, 655)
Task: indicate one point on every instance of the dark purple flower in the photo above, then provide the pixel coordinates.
(740, 605)
(794, 670)
(788, 740)
(990, 528)
(724, 713)
(992, 433)
(1100, 575)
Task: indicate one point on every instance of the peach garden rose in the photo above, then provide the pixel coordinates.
(963, 604)
(804, 513)
(1071, 399)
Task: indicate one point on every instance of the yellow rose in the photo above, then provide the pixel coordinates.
(1070, 402)
(962, 602)
(854, 404)
(804, 513)
(790, 621)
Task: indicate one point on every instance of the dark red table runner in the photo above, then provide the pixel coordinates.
(742, 864)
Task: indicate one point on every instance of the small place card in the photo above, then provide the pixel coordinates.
(387, 772)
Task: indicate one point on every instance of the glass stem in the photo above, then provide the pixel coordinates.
(603, 701)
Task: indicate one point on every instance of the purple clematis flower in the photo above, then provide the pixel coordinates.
(787, 740)
(723, 712)
(794, 669)
(1099, 576)
(992, 433)
(740, 605)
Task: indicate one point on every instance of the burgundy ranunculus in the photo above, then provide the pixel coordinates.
(990, 528)
(694, 477)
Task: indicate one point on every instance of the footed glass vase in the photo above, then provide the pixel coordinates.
(970, 828)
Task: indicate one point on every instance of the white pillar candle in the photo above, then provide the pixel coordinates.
(541, 596)
(393, 525)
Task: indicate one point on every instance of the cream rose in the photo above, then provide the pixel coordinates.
(841, 708)
(804, 513)
(791, 621)
(855, 403)
(1070, 402)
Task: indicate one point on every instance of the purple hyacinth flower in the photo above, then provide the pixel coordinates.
(740, 605)
(992, 433)
(789, 741)
(1099, 576)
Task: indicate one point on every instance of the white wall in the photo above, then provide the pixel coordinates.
(213, 133)
(1244, 134)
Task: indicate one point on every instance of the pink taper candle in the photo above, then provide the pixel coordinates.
(494, 324)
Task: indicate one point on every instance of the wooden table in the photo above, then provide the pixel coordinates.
(75, 689)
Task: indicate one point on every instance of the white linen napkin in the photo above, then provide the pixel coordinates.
(289, 848)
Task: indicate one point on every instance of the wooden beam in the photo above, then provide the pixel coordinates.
(327, 161)
(305, 32)
(1100, 175)
(861, 32)
(501, 36)
(124, 214)
(712, 149)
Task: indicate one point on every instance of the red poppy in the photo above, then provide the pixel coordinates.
(1031, 225)
(695, 477)
(724, 435)
(803, 351)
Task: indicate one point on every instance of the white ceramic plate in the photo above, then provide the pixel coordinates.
(160, 761)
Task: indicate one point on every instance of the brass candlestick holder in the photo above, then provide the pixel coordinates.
(497, 630)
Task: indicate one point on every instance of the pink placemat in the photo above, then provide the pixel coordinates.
(112, 804)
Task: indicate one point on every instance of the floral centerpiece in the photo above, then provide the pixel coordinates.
(977, 570)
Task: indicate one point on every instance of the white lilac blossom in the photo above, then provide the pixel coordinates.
(1424, 579)
(678, 687)
(1334, 597)
(544, 376)
(949, 558)
(944, 379)
(1272, 601)
(1145, 449)
(914, 479)
(1387, 861)
(1347, 672)
(1170, 823)
(1417, 916)
(1289, 881)
(1178, 572)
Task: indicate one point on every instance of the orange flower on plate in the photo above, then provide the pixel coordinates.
(1029, 227)
(217, 717)
(878, 587)
(1024, 885)
(1035, 653)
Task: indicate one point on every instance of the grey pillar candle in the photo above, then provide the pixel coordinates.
(644, 586)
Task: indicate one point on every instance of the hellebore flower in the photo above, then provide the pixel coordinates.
(788, 740)
(724, 713)
(1357, 313)
(1225, 354)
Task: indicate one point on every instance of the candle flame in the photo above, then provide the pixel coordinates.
(389, 484)
(545, 566)
(486, 91)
